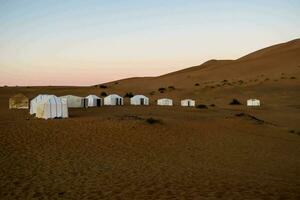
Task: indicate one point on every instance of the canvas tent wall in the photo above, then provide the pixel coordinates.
(94, 101)
(139, 100)
(113, 100)
(74, 101)
(52, 107)
(188, 102)
(253, 102)
(35, 101)
(165, 102)
(18, 101)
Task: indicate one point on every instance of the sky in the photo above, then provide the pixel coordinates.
(86, 42)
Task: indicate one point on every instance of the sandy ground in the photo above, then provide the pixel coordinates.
(113, 153)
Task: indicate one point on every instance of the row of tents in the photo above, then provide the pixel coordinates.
(50, 106)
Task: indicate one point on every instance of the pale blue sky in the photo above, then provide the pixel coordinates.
(84, 42)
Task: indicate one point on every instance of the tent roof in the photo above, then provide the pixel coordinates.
(70, 96)
(19, 95)
(165, 99)
(139, 96)
(187, 100)
(93, 96)
(50, 97)
(113, 95)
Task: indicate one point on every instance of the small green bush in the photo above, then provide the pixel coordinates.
(162, 90)
(103, 94)
(202, 106)
(128, 95)
(235, 102)
(153, 121)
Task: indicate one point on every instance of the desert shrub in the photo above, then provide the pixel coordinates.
(197, 84)
(152, 93)
(241, 81)
(128, 95)
(225, 81)
(103, 86)
(152, 121)
(267, 79)
(116, 83)
(295, 132)
(293, 77)
(95, 85)
(5, 86)
(171, 87)
(103, 94)
(212, 105)
(161, 90)
(235, 102)
(202, 106)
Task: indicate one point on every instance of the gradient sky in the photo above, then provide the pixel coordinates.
(85, 42)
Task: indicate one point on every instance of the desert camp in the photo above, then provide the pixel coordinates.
(253, 102)
(18, 101)
(188, 103)
(75, 101)
(52, 107)
(35, 101)
(94, 101)
(113, 100)
(139, 100)
(165, 102)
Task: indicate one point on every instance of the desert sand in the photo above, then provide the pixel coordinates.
(223, 152)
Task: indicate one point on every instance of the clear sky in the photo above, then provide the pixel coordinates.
(85, 42)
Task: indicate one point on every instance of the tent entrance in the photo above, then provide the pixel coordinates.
(98, 102)
(85, 102)
(142, 101)
(189, 103)
(118, 101)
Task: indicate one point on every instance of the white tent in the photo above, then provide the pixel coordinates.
(188, 102)
(253, 102)
(94, 101)
(139, 100)
(165, 102)
(74, 101)
(113, 100)
(52, 107)
(35, 101)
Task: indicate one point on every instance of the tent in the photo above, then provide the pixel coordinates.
(52, 107)
(18, 101)
(253, 102)
(75, 101)
(94, 101)
(35, 101)
(165, 102)
(139, 100)
(188, 102)
(113, 100)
